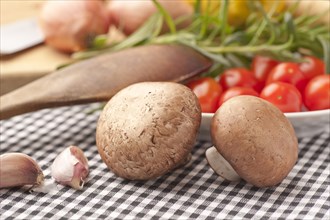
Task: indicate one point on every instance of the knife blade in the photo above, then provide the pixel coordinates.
(20, 35)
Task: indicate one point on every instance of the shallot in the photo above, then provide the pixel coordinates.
(129, 15)
(71, 26)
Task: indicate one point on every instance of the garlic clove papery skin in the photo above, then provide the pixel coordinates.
(18, 169)
(70, 167)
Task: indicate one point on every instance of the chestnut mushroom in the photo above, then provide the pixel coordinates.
(148, 129)
(253, 140)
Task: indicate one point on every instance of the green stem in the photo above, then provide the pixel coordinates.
(326, 53)
(249, 49)
(266, 21)
(224, 17)
(168, 19)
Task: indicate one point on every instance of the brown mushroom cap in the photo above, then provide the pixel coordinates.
(148, 129)
(256, 139)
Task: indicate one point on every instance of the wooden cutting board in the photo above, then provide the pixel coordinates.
(28, 65)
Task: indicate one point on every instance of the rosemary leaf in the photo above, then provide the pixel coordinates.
(167, 17)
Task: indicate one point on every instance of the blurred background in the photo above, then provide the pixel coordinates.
(25, 66)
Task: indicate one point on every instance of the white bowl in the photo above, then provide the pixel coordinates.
(306, 124)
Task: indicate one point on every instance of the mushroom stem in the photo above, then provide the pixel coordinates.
(220, 165)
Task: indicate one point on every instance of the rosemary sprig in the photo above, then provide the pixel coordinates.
(280, 35)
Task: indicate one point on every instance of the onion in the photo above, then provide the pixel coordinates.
(71, 26)
(129, 15)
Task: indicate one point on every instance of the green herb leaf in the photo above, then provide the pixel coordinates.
(168, 19)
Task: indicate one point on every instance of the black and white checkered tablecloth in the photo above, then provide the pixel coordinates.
(190, 192)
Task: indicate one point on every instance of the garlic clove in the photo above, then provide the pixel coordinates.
(220, 165)
(70, 167)
(18, 169)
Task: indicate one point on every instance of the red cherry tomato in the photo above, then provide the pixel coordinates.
(312, 67)
(283, 95)
(238, 77)
(236, 91)
(261, 67)
(208, 92)
(288, 73)
(317, 93)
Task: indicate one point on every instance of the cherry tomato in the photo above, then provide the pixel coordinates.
(288, 73)
(238, 77)
(283, 95)
(236, 91)
(312, 67)
(317, 93)
(208, 92)
(261, 67)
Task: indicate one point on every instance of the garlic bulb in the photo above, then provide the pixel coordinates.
(70, 167)
(18, 169)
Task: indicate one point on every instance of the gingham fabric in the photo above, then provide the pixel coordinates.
(190, 192)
